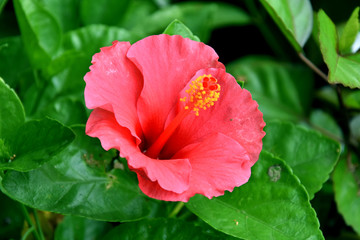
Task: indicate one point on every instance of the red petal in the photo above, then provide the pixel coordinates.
(103, 125)
(218, 163)
(172, 175)
(235, 114)
(114, 83)
(167, 64)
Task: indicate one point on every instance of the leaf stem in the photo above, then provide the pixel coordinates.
(31, 224)
(27, 233)
(313, 67)
(38, 224)
(177, 209)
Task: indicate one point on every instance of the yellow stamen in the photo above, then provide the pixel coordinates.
(203, 92)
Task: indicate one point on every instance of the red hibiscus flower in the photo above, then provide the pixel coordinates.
(184, 125)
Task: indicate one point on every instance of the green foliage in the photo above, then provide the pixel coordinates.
(342, 69)
(77, 228)
(109, 12)
(200, 17)
(294, 19)
(161, 229)
(48, 163)
(12, 108)
(346, 187)
(178, 28)
(34, 143)
(281, 209)
(305, 151)
(75, 182)
(277, 87)
(349, 33)
(41, 32)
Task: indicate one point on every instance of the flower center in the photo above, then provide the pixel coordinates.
(203, 93)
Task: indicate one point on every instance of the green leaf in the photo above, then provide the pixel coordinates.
(40, 31)
(66, 110)
(109, 12)
(283, 91)
(77, 228)
(11, 218)
(229, 15)
(200, 17)
(136, 12)
(349, 33)
(13, 60)
(346, 186)
(75, 182)
(293, 17)
(12, 108)
(272, 205)
(34, 143)
(326, 124)
(161, 229)
(344, 70)
(2, 4)
(352, 100)
(178, 28)
(66, 12)
(311, 156)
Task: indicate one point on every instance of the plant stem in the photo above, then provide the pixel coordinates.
(38, 225)
(177, 209)
(27, 233)
(31, 224)
(313, 67)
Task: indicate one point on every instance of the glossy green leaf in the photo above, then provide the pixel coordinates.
(66, 13)
(66, 110)
(178, 28)
(200, 17)
(2, 4)
(283, 91)
(346, 186)
(12, 54)
(229, 15)
(11, 218)
(293, 17)
(272, 205)
(326, 124)
(109, 12)
(311, 156)
(328, 94)
(161, 229)
(352, 100)
(12, 108)
(349, 33)
(34, 143)
(77, 228)
(344, 70)
(40, 31)
(136, 12)
(75, 182)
